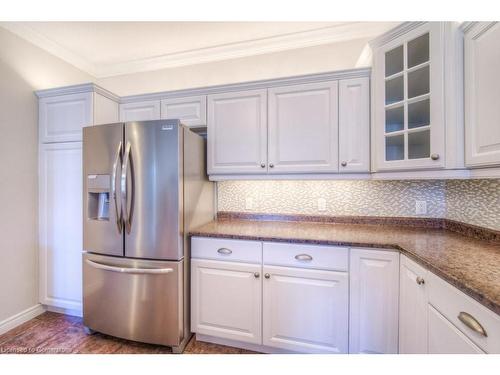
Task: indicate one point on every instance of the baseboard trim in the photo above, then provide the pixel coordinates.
(20, 318)
(65, 311)
(242, 345)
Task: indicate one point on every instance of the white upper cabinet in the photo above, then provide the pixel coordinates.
(62, 117)
(303, 128)
(237, 132)
(192, 111)
(482, 94)
(140, 111)
(413, 301)
(106, 111)
(354, 125)
(412, 71)
(374, 290)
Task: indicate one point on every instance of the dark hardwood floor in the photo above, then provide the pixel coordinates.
(53, 333)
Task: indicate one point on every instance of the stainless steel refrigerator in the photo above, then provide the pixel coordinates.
(145, 187)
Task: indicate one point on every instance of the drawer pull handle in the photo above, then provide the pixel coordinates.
(472, 323)
(224, 251)
(304, 257)
(420, 280)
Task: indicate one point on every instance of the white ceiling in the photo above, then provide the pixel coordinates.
(105, 49)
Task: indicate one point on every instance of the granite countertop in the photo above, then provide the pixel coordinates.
(472, 265)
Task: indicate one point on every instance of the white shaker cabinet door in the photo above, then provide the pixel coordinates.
(192, 111)
(374, 290)
(305, 310)
(61, 118)
(445, 338)
(237, 132)
(140, 111)
(60, 225)
(413, 301)
(354, 125)
(482, 94)
(226, 300)
(303, 128)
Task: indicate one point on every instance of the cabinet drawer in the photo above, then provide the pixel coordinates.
(451, 302)
(306, 256)
(228, 250)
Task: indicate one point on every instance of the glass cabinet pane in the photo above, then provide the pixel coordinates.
(418, 50)
(394, 61)
(419, 144)
(394, 119)
(394, 90)
(418, 82)
(418, 114)
(395, 147)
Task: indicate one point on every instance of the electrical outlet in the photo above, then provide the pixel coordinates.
(248, 203)
(321, 204)
(421, 207)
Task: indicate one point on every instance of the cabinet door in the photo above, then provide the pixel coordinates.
(374, 290)
(413, 300)
(305, 310)
(226, 300)
(354, 125)
(61, 118)
(140, 111)
(445, 338)
(237, 132)
(409, 131)
(60, 225)
(191, 111)
(482, 94)
(106, 111)
(303, 128)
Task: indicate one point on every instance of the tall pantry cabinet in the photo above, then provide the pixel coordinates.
(62, 115)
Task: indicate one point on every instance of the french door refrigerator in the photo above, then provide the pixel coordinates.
(145, 187)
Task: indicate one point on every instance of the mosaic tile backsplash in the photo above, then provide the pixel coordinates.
(470, 201)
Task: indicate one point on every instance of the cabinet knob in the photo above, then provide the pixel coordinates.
(267, 276)
(420, 280)
(435, 156)
(262, 165)
(271, 165)
(256, 275)
(344, 164)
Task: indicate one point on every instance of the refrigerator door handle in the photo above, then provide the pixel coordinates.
(141, 271)
(119, 219)
(124, 190)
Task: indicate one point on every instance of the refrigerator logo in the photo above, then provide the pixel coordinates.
(167, 127)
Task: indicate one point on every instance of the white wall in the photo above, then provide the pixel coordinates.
(325, 58)
(23, 69)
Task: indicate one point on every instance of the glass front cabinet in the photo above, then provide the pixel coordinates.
(409, 119)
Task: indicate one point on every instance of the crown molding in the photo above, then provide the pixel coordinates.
(252, 85)
(76, 89)
(32, 36)
(303, 39)
(395, 33)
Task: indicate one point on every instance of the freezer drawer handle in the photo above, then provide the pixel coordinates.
(141, 271)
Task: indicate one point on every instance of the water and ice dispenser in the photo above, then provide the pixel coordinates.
(98, 195)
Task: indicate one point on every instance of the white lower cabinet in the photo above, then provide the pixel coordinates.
(374, 286)
(305, 310)
(445, 338)
(413, 298)
(226, 300)
(60, 225)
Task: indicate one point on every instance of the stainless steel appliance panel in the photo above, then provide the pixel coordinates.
(134, 299)
(102, 158)
(151, 188)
